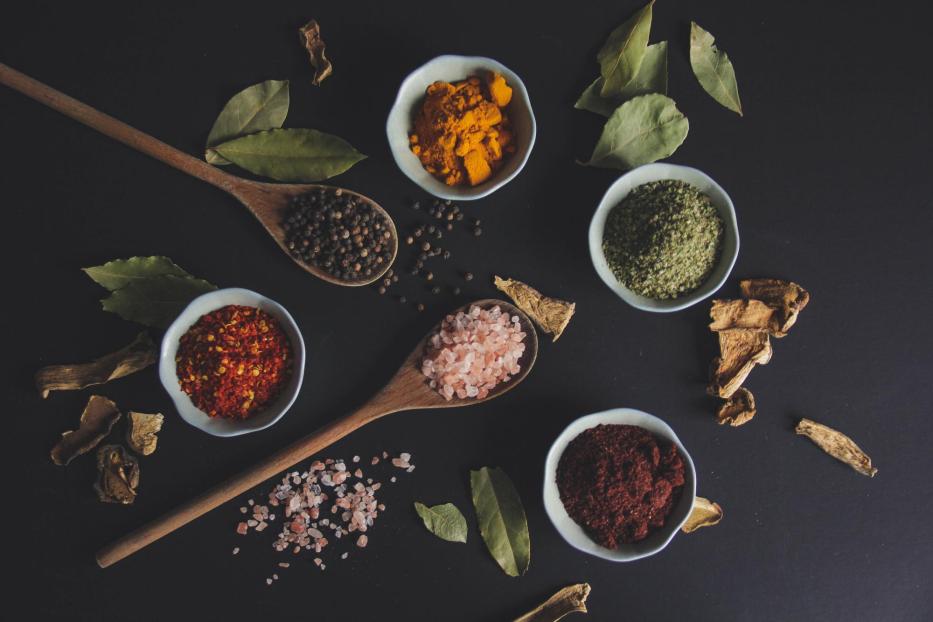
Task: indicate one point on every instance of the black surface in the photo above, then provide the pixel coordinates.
(829, 171)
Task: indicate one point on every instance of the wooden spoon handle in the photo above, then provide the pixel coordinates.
(278, 462)
(115, 129)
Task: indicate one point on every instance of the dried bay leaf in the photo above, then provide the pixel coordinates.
(141, 353)
(644, 129)
(713, 69)
(259, 107)
(97, 419)
(445, 521)
(121, 272)
(550, 314)
(837, 445)
(705, 513)
(623, 52)
(117, 475)
(571, 599)
(501, 517)
(310, 37)
(295, 155)
(156, 301)
(651, 78)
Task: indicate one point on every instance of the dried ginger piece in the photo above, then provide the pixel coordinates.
(738, 409)
(740, 350)
(550, 314)
(787, 297)
(571, 599)
(310, 37)
(837, 445)
(118, 475)
(705, 513)
(749, 314)
(142, 432)
(138, 355)
(96, 422)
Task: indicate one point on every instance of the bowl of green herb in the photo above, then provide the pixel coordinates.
(664, 237)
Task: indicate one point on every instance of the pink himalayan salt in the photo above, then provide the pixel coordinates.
(473, 352)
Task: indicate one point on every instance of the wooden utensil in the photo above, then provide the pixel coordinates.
(267, 202)
(407, 390)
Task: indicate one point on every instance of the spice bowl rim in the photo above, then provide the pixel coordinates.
(212, 301)
(658, 171)
(411, 94)
(573, 533)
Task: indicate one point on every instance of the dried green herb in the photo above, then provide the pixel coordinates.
(651, 78)
(642, 130)
(501, 518)
(156, 301)
(262, 106)
(138, 355)
(298, 155)
(121, 272)
(445, 521)
(621, 56)
(713, 69)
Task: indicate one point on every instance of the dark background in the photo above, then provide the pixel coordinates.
(830, 174)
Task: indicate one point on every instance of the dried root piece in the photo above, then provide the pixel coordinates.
(571, 599)
(837, 445)
(142, 431)
(738, 409)
(138, 355)
(705, 513)
(740, 350)
(117, 475)
(96, 422)
(310, 37)
(786, 297)
(750, 314)
(550, 314)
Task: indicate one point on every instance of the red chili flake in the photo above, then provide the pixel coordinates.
(234, 361)
(618, 484)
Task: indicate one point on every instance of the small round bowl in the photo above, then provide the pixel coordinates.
(206, 303)
(411, 94)
(572, 532)
(656, 172)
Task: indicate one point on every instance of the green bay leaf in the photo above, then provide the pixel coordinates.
(445, 521)
(259, 107)
(623, 52)
(713, 69)
(651, 78)
(643, 129)
(121, 272)
(155, 301)
(501, 517)
(298, 155)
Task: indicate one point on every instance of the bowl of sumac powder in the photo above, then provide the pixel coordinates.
(619, 484)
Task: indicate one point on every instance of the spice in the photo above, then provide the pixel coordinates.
(445, 521)
(234, 361)
(340, 233)
(473, 351)
(97, 419)
(142, 432)
(461, 132)
(310, 37)
(740, 350)
(837, 445)
(117, 475)
(664, 239)
(619, 482)
(705, 513)
(502, 521)
(738, 409)
(571, 599)
(550, 314)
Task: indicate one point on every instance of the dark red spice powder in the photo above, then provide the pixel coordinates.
(234, 361)
(618, 483)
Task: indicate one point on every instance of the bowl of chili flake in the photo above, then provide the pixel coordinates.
(618, 484)
(232, 362)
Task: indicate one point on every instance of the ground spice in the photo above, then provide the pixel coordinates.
(234, 361)
(619, 483)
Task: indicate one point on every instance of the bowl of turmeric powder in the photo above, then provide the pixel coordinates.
(461, 127)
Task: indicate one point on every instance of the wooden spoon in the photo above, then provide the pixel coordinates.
(407, 390)
(267, 202)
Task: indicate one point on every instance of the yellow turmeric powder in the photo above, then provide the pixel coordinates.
(462, 132)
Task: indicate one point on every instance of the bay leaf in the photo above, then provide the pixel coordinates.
(296, 155)
(713, 69)
(651, 78)
(445, 521)
(259, 107)
(643, 129)
(156, 301)
(501, 517)
(623, 52)
(121, 272)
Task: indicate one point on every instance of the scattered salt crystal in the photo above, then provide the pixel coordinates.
(317, 561)
(405, 456)
(243, 510)
(410, 469)
(269, 581)
(358, 473)
(250, 502)
(392, 479)
(356, 458)
(374, 461)
(252, 523)
(362, 541)
(284, 564)
(344, 556)
(242, 528)
(275, 576)
(236, 550)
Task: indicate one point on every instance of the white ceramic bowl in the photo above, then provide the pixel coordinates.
(450, 68)
(572, 532)
(655, 172)
(206, 303)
